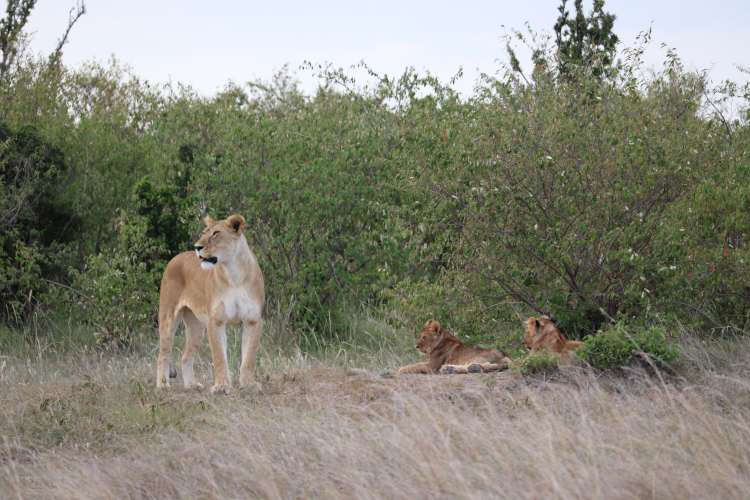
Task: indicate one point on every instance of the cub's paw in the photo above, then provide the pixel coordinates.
(446, 369)
(172, 373)
(474, 368)
(220, 390)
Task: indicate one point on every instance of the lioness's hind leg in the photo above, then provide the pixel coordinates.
(168, 323)
(251, 331)
(194, 333)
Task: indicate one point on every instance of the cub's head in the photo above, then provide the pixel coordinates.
(536, 326)
(432, 334)
(220, 240)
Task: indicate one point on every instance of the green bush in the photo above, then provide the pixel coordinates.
(315, 180)
(618, 346)
(120, 286)
(579, 198)
(37, 221)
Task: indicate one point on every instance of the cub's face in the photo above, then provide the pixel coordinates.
(536, 326)
(219, 241)
(430, 337)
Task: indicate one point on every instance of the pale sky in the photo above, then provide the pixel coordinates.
(208, 43)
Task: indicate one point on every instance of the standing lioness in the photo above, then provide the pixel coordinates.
(220, 286)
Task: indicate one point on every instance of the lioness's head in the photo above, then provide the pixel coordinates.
(432, 334)
(536, 326)
(220, 240)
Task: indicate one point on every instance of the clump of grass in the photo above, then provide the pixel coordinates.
(542, 362)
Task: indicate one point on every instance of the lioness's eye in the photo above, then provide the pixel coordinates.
(215, 233)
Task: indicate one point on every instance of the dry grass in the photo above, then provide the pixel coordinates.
(338, 425)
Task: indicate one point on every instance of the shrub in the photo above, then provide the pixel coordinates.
(314, 178)
(37, 220)
(121, 285)
(617, 347)
(572, 198)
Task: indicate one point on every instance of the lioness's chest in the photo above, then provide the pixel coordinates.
(237, 306)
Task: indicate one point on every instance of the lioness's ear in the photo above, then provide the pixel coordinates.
(236, 223)
(537, 323)
(208, 220)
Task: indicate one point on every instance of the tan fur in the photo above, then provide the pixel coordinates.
(542, 335)
(449, 355)
(212, 296)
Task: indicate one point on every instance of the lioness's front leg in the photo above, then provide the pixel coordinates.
(251, 331)
(423, 368)
(217, 340)
(194, 333)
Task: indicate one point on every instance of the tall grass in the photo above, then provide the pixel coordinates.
(332, 423)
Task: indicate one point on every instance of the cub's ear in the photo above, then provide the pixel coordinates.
(544, 317)
(429, 322)
(236, 223)
(538, 325)
(208, 220)
(435, 326)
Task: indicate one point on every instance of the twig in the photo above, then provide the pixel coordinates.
(67, 287)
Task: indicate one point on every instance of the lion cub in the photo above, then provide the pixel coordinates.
(446, 351)
(542, 335)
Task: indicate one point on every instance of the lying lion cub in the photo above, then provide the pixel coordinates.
(446, 351)
(219, 284)
(542, 335)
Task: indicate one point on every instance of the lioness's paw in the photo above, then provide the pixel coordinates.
(162, 384)
(220, 390)
(446, 369)
(474, 368)
(252, 387)
(172, 373)
(195, 385)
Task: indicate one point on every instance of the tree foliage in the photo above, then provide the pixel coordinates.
(589, 199)
(585, 42)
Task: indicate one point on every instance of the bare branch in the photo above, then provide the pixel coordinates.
(75, 14)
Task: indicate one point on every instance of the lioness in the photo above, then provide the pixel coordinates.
(221, 286)
(541, 334)
(446, 351)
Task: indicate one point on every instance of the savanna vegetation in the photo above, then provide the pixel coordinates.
(610, 196)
